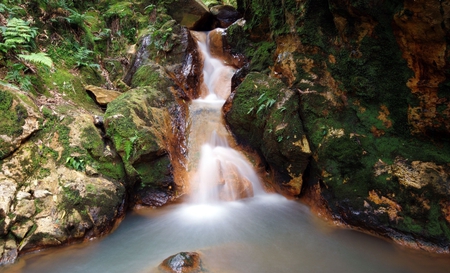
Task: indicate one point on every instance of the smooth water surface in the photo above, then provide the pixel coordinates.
(266, 233)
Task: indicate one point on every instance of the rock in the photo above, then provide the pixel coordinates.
(181, 68)
(233, 185)
(41, 193)
(98, 121)
(102, 96)
(185, 262)
(90, 171)
(20, 230)
(25, 208)
(152, 198)
(138, 123)
(10, 252)
(63, 196)
(220, 49)
(226, 15)
(421, 31)
(189, 12)
(20, 119)
(264, 115)
(23, 195)
(7, 194)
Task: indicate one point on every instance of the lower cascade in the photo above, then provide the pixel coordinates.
(252, 231)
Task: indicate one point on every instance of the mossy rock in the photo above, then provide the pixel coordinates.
(19, 119)
(265, 115)
(152, 75)
(138, 123)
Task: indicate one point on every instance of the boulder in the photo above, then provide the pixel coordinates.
(185, 262)
(263, 114)
(102, 96)
(153, 66)
(138, 124)
(225, 14)
(189, 13)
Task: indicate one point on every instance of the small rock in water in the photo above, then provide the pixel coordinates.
(183, 262)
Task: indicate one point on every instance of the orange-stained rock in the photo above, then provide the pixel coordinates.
(220, 49)
(420, 30)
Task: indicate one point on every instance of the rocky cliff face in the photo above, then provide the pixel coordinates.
(69, 168)
(371, 80)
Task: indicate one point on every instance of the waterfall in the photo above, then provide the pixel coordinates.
(219, 172)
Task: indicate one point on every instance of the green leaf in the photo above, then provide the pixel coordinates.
(38, 58)
(261, 107)
(270, 103)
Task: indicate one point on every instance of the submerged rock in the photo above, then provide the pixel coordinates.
(183, 262)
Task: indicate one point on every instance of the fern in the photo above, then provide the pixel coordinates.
(128, 147)
(39, 58)
(17, 33)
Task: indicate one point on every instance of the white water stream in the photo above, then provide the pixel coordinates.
(260, 233)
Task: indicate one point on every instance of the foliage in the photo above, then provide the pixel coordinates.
(128, 146)
(76, 163)
(17, 34)
(263, 103)
(83, 57)
(39, 58)
(16, 76)
(162, 37)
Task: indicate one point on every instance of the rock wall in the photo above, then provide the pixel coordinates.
(371, 81)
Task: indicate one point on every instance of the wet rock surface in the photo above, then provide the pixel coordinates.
(183, 262)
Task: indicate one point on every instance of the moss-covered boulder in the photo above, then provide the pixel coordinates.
(139, 124)
(168, 56)
(264, 114)
(65, 184)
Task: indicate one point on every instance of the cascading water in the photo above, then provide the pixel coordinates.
(220, 172)
(266, 233)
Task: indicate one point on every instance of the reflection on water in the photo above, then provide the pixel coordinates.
(261, 234)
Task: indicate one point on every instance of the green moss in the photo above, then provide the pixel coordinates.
(408, 225)
(151, 75)
(261, 56)
(113, 169)
(13, 117)
(43, 172)
(265, 116)
(92, 141)
(156, 173)
(6, 100)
